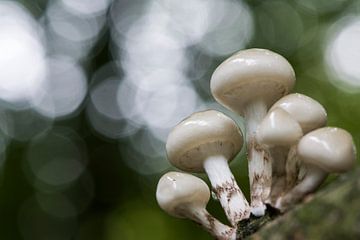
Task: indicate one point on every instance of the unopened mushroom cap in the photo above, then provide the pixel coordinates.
(252, 75)
(177, 191)
(278, 128)
(309, 113)
(203, 134)
(329, 148)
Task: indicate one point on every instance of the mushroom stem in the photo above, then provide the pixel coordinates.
(217, 229)
(259, 159)
(226, 189)
(312, 180)
(293, 165)
(278, 185)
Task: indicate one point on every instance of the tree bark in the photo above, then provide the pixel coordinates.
(330, 213)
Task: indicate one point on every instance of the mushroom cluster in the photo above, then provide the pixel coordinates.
(290, 151)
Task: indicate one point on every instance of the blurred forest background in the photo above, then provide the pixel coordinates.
(89, 90)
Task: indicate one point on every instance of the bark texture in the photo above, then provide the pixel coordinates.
(331, 213)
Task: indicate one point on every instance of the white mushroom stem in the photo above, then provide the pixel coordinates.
(259, 159)
(312, 180)
(217, 229)
(278, 185)
(231, 198)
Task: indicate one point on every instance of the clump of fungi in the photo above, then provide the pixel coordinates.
(290, 151)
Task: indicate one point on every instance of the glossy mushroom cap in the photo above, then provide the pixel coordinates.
(176, 192)
(331, 149)
(203, 134)
(278, 128)
(252, 75)
(309, 113)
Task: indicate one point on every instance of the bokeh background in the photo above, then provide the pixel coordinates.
(89, 90)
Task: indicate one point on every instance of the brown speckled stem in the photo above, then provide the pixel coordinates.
(260, 177)
(213, 226)
(259, 164)
(226, 189)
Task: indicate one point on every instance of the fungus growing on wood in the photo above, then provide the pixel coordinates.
(249, 82)
(322, 151)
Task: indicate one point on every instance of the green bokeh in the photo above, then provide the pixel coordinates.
(123, 206)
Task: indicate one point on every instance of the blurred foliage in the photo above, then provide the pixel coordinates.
(108, 191)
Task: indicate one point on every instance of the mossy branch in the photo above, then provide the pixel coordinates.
(331, 213)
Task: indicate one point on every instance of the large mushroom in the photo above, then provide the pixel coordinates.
(249, 82)
(310, 115)
(207, 141)
(185, 196)
(322, 151)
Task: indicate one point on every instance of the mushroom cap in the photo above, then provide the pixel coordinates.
(201, 135)
(252, 75)
(278, 128)
(309, 113)
(176, 192)
(329, 148)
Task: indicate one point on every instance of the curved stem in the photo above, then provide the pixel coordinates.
(217, 229)
(259, 159)
(226, 189)
(312, 180)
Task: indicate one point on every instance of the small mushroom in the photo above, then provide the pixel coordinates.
(310, 114)
(278, 131)
(278, 128)
(206, 141)
(322, 151)
(249, 82)
(185, 196)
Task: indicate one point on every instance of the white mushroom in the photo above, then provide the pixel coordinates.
(249, 82)
(322, 151)
(185, 196)
(278, 131)
(206, 141)
(310, 114)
